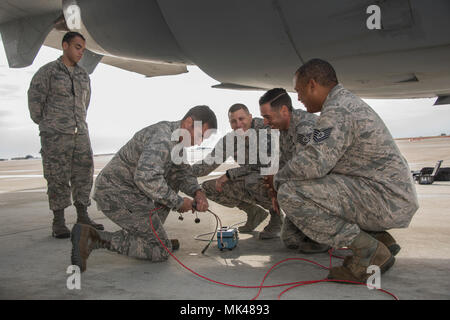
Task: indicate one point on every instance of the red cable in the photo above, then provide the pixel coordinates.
(302, 283)
(261, 286)
(280, 262)
(206, 278)
(333, 280)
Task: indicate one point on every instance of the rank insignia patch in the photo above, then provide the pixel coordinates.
(321, 135)
(303, 138)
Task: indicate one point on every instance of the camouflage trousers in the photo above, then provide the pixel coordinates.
(332, 210)
(68, 166)
(246, 193)
(132, 212)
(136, 239)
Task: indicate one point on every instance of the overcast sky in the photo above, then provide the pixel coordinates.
(123, 102)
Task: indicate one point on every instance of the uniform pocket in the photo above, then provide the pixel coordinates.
(61, 85)
(53, 156)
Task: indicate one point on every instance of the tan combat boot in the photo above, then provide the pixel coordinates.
(386, 238)
(83, 217)
(309, 246)
(367, 251)
(255, 215)
(84, 239)
(299, 241)
(273, 229)
(59, 229)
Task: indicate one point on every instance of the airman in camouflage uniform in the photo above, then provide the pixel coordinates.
(350, 177)
(274, 103)
(141, 182)
(58, 99)
(243, 186)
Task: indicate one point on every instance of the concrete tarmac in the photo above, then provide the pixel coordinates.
(33, 265)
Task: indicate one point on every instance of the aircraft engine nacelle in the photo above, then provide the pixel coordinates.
(134, 29)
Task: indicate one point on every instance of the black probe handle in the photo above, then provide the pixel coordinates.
(194, 206)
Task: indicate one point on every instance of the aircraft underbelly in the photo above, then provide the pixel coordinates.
(258, 44)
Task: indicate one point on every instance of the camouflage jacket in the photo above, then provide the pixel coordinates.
(57, 100)
(143, 169)
(207, 165)
(351, 139)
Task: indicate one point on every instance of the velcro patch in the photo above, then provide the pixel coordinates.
(321, 135)
(304, 138)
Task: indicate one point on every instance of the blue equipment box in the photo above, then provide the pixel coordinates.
(227, 238)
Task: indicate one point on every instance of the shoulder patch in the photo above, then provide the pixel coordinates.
(321, 135)
(304, 138)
